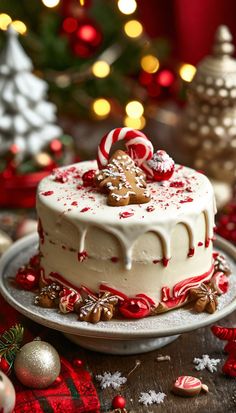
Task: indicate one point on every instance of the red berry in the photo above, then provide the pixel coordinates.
(134, 307)
(88, 177)
(27, 278)
(78, 363)
(4, 365)
(118, 402)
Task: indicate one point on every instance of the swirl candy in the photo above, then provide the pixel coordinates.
(188, 386)
(138, 145)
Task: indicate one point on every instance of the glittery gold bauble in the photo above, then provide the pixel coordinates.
(37, 364)
(7, 394)
(208, 138)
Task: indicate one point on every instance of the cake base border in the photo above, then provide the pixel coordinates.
(164, 325)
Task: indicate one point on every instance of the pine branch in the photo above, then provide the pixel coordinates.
(10, 342)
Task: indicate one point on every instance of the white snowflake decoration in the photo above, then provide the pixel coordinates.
(206, 363)
(152, 397)
(108, 379)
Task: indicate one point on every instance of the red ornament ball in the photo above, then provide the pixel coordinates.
(119, 402)
(78, 363)
(27, 278)
(136, 307)
(4, 365)
(84, 34)
(88, 177)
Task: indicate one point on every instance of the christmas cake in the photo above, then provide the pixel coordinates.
(128, 235)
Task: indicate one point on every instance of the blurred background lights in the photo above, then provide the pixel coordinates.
(5, 20)
(134, 109)
(70, 25)
(19, 26)
(133, 28)
(127, 6)
(165, 78)
(150, 63)
(101, 69)
(50, 3)
(187, 72)
(133, 123)
(101, 107)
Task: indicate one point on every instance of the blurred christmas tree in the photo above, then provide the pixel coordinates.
(95, 56)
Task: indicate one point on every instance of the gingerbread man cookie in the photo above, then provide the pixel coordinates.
(123, 181)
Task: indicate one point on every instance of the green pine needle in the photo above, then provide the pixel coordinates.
(10, 342)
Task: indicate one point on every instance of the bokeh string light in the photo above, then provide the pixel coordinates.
(50, 3)
(101, 69)
(101, 107)
(5, 20)
(134, 109)
(127, 6)
(150, 63)
(187, 72)
(133, 28)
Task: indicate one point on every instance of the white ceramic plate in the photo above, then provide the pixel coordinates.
(172, 323)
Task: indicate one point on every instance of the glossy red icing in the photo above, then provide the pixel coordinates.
(82, 256)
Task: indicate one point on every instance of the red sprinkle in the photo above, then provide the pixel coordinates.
(155, 261)
(177, 184)
(126, 214)
(47, 193)
(191, 252)
(200, 244)
(82, 256)
(207, 242)
(74, 203)
(150, 208)
(114, 259)
(85, 209)
(188, 199)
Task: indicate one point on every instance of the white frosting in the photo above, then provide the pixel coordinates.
(70, 214)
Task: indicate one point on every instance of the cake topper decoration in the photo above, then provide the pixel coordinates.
(123, 181)
(139, 147)
(160, 167)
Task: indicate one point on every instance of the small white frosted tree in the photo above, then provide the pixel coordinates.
(26, 118)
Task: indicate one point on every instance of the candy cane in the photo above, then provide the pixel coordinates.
(138, 145)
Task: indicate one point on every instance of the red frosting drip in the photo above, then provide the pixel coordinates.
(191, 252)
(40, 231)
(82, 256)
(165, 261)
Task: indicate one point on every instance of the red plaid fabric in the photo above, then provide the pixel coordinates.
(75, 394)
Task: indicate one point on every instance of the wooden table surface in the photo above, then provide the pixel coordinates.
(159, 376)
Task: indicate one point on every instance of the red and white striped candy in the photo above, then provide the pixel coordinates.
(188, 386)
(138, 145)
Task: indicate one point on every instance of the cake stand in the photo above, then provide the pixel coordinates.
(115, 336)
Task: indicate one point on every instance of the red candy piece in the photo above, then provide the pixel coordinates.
(160, 167)
(220, 282)
(68, 299)
(119, 402)
(188, 386)
(88, 178)
(27, 278)
(224, 333)
(136, 307)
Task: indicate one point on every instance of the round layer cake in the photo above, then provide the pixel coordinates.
(161, 248)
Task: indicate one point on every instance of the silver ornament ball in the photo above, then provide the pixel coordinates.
(7, 394)
(37, 364)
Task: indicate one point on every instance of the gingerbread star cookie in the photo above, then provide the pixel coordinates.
(124, 182)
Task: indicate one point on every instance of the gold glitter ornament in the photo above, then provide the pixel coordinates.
(37, 364)
(7, 394)
(209, 121)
